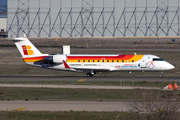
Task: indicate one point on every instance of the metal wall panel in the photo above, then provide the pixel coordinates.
(93, 18)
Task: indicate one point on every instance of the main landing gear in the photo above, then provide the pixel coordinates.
(90, 74)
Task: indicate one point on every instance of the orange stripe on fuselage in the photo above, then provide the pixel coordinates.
(34, 59)
(76, 58)
(118, 57)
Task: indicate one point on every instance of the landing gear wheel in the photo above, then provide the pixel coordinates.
(160, 75)
(89, 75)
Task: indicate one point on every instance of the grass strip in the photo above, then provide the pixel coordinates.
(55, 94)
(71, 115)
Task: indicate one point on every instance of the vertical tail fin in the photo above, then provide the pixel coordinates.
(26, 48)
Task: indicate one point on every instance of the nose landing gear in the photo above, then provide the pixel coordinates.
(161, 74)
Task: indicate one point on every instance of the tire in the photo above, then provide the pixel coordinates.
(160, 75)
(89, 75)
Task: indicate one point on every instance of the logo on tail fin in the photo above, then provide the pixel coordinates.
(27, 50)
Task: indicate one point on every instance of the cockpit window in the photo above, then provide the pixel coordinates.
(157, 59)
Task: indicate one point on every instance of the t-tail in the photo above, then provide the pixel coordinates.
(26, 48)
(29, 52)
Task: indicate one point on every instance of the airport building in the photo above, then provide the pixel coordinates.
(93, 18)
(3, 27)
(3, 18)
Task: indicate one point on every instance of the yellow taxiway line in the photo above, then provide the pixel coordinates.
(81, 80)
(20, 109)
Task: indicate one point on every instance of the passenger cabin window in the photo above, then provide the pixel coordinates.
(132, 60)
(157, 59)
(122, 60)
(102, 60)
(83, 60)
(88, 60)
(93, 60)
(107, 60)
(98, 61)
(78, 60)
(117, 60)
(112, 60)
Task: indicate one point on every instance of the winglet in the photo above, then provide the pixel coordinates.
(66, 65)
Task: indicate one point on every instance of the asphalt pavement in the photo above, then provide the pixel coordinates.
(64, 106)
(88, 79)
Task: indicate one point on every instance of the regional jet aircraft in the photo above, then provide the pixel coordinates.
(91, 64)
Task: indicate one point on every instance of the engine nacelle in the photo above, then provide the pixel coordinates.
(59, 58)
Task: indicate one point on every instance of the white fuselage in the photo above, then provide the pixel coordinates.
(146, 63)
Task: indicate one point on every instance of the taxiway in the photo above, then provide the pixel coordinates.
(88, 79)
(64, 106)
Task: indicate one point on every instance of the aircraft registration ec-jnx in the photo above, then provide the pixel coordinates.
(91, 64)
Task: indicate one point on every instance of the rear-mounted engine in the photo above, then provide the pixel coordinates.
(57, 59)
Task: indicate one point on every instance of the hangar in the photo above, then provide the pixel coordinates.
(93, 18)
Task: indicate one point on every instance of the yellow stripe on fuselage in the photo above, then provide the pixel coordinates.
(136, 58)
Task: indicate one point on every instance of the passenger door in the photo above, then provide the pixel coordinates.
(143, 63)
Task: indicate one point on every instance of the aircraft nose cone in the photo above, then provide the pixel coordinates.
(170, 67)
